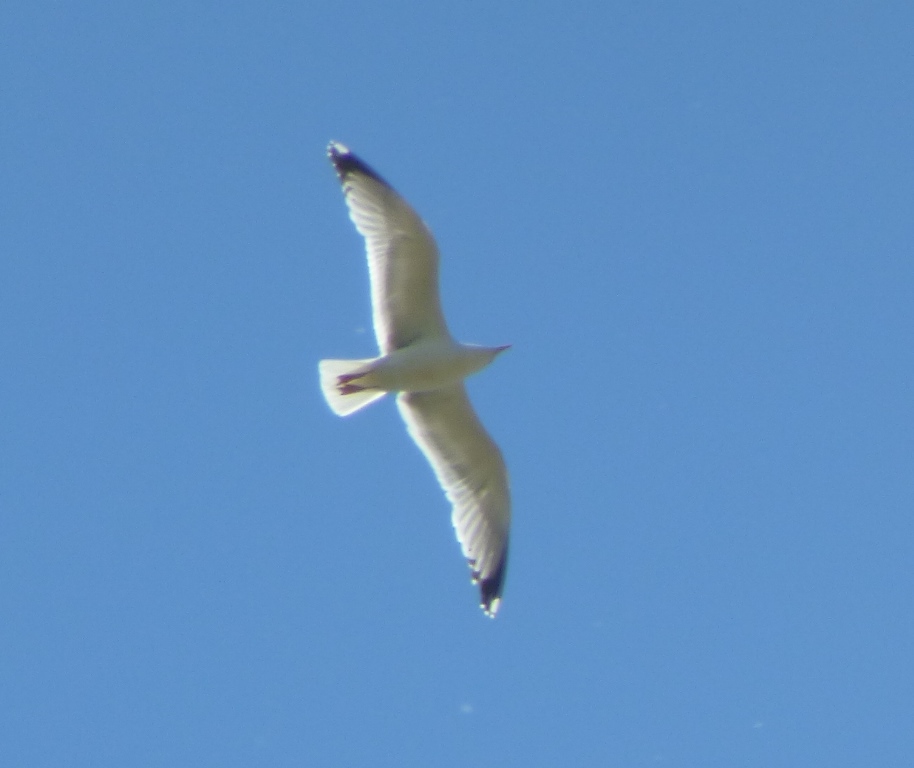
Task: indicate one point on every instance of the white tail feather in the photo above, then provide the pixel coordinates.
(343, 404)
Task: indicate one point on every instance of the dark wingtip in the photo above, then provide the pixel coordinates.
(490, 588)
(347, 163)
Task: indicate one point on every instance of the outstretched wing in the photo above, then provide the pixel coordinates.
(402, 255)
(472, 473)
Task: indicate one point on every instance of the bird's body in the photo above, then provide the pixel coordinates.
(423, 364)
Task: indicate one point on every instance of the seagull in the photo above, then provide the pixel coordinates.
(425, 366)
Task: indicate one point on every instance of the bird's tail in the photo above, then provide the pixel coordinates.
(340, 384)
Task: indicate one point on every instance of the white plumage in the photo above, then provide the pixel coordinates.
(423, 364)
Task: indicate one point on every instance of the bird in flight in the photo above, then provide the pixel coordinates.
(425, 366)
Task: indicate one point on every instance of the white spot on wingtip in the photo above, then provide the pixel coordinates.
(492, 609)
(339, 148)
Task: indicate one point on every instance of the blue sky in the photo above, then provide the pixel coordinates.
(693, 222)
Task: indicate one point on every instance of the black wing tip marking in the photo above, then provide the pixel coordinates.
(348, 164)
(491, 587)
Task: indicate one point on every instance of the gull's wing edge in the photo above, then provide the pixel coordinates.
(470, 468)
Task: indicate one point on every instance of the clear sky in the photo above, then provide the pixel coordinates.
(694, 223)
